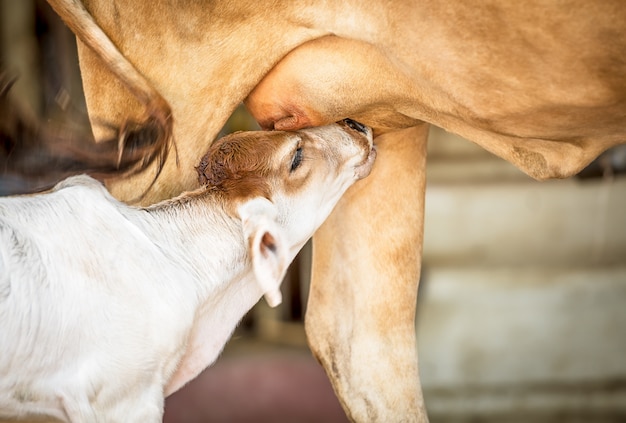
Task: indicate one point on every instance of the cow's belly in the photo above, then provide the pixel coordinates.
(548, 120)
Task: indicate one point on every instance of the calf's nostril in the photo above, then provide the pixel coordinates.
(355, 125)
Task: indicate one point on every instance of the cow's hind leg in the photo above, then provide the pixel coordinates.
(366, 262)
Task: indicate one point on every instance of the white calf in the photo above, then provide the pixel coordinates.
(106, 308)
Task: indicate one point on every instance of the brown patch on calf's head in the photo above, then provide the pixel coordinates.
(238, 165)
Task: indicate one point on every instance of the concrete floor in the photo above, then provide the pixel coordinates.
(257, 382)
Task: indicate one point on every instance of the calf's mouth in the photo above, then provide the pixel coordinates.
(364, 168)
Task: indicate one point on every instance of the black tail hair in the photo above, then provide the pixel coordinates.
(36, 154)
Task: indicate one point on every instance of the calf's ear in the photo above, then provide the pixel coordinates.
(267, 246)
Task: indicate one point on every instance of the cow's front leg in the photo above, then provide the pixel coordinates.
(366, 263)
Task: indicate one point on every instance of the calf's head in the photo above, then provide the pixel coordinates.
(283, 185)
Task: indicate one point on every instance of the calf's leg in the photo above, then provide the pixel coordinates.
(360, 319)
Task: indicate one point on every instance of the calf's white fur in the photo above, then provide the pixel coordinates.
(106, 308)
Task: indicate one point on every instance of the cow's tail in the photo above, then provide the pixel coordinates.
(35, 154)
(155, 130)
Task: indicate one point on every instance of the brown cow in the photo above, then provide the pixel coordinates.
(541, 84)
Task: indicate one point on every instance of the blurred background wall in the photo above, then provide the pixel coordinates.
(522, 305)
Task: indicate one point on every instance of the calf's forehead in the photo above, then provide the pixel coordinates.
(242, 164)
(241, 153)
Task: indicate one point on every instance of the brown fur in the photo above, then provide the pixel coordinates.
(223, 167)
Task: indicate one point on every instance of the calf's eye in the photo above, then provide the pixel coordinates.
(297, 159)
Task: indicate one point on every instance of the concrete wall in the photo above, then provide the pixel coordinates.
(522, 307)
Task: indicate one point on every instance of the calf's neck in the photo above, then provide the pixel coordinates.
(107, 308)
